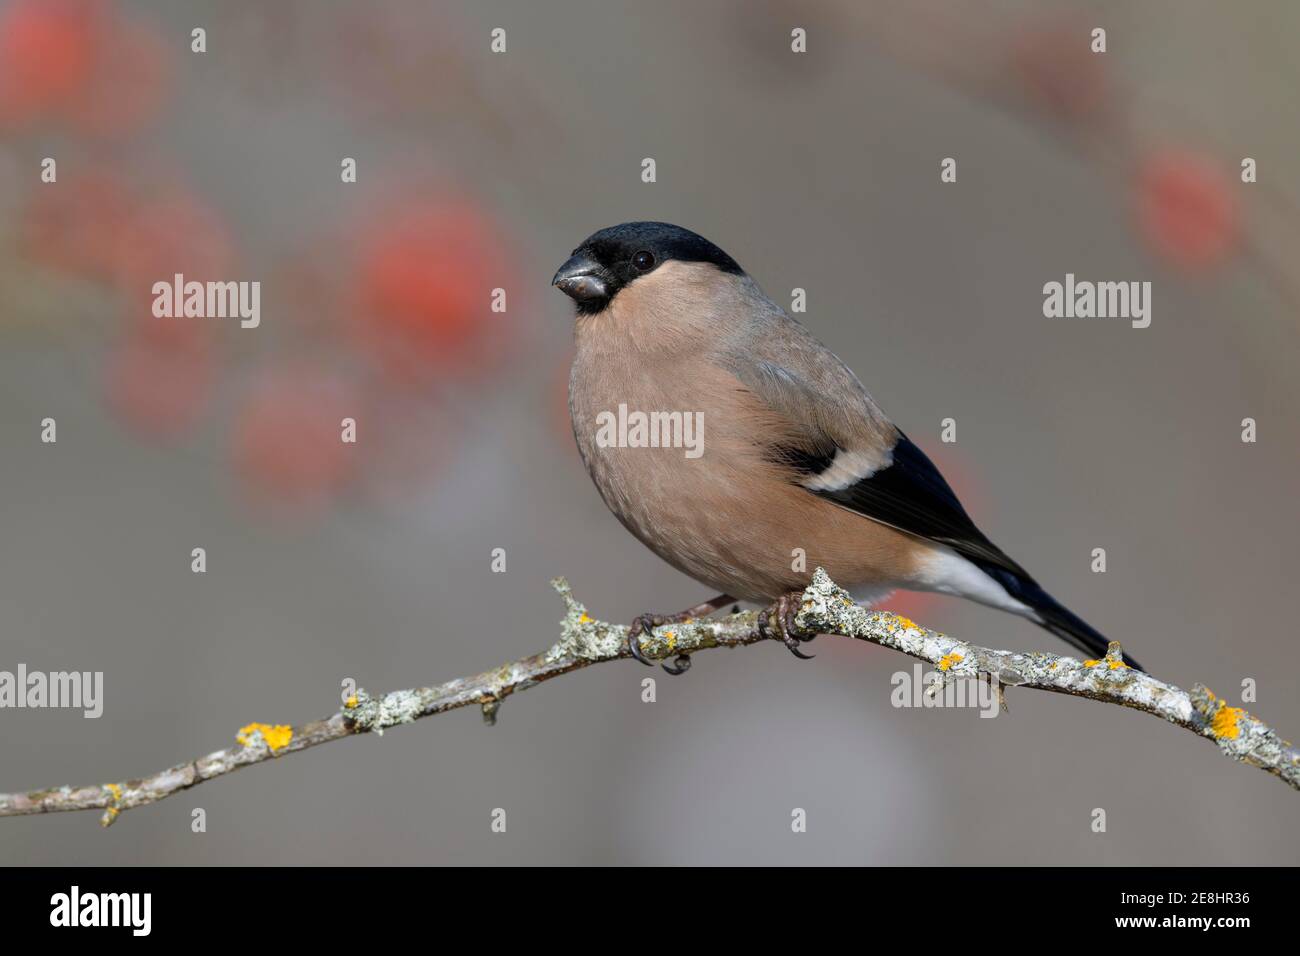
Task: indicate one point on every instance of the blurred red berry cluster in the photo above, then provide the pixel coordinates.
(101, 226)
(371, 321)
(1185, 208)
(77, 64)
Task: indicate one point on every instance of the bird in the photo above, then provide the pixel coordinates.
(789, 462)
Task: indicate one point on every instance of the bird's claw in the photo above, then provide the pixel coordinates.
(783, 611)
(644, 624)
(679, 664)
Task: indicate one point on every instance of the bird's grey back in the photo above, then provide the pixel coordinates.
(789, 369)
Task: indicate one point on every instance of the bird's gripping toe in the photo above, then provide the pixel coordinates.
(645, 623)
(778, 621)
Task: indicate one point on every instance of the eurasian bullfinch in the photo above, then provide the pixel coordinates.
(784, 448)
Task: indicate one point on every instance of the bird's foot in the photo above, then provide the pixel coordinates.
(778, 621)
(645, 623)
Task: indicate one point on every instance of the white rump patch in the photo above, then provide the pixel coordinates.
(871, 595)
(947, 572)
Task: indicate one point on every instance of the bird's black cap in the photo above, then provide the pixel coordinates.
(611, 258)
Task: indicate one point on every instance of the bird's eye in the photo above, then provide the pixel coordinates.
(643, 261)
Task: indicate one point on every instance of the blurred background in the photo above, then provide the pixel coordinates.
(478, 170)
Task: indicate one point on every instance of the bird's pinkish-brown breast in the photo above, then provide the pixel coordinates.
(667, 435)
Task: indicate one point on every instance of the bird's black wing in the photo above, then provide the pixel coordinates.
(835, 417)
(831, 429)
(911, 495)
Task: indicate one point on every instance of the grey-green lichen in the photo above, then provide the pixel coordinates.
(377, 713)
(584, 638)
(580, 635)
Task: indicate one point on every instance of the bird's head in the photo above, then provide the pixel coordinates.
(612, 259)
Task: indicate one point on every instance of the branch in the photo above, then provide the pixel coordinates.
(826, 609)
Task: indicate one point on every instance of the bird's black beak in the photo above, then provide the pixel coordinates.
(583, 280)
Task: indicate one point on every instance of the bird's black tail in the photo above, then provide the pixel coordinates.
(1055, 617)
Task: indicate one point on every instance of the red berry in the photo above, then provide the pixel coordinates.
(48, 51)
(1185, 209)
(426, 280)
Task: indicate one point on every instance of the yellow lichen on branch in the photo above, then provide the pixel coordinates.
(275, 737)
(946, 662)
(1226, 722)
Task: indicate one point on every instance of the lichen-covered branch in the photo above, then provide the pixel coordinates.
(826, 609)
